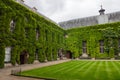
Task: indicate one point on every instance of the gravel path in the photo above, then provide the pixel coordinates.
(5, 73)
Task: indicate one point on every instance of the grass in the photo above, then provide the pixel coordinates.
(79, 70)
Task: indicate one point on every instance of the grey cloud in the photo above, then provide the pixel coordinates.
(61, 10)
(47, 7)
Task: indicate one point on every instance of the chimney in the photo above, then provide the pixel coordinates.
(34, 9)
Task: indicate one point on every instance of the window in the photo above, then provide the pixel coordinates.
(12, 26)
(53, 37)
(84, 45)
(101, 42)
(26, 19)
(58, 38)
(46, 53)
(26, 32)
(7, 54)
(119, 43)
(37, 33)
(36, 54)
(61, 39)
(52, 53)
(46, 35)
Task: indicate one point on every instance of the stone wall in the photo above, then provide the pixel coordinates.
(79, 22)
(93, 20)
(114, 17)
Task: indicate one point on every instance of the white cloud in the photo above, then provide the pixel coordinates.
(61, 10)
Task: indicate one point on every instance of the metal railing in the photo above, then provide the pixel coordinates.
(16, 71)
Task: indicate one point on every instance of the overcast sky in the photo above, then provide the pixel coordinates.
(62, 10)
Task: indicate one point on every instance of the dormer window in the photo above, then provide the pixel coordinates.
(12, 26)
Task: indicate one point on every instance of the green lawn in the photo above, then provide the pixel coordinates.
(79, 70)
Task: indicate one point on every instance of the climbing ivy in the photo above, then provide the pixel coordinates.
(23, 37)
(109, 33)
(51, 36)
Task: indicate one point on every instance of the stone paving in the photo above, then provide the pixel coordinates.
(5, 74)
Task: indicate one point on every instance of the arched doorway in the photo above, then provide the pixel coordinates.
(23, 57)
(69, 54)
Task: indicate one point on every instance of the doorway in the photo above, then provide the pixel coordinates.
(23, 57)
(69, 55)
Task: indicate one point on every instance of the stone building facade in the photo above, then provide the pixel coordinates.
(93, 20)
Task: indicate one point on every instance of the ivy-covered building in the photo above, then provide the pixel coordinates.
(92, 20)
(99, 41)
(26, 36)
(95, 36)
